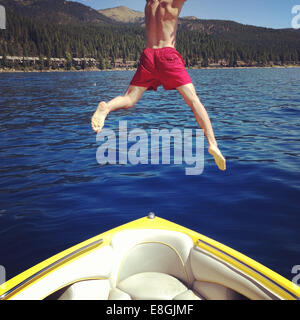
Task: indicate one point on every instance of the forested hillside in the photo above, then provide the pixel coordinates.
(56, 11)
(107, 45)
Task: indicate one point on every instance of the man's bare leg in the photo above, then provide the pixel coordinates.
(131, 97)
(189, 94)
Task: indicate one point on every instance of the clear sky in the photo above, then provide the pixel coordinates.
(265, 13)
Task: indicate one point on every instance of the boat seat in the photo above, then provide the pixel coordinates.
(141, 286)
(87, 290)
(159, 251)
(117, 294)
(151, 265)
(155, 286)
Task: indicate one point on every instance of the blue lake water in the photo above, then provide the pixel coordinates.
(54, 194)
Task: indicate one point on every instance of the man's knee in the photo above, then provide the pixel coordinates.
(132, 99)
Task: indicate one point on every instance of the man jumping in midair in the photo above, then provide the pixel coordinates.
(161, 64)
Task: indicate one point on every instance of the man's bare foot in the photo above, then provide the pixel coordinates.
(220, 160)
(99, 117)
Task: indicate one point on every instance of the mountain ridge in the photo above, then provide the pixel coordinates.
(56, 11)
(137, 17)
(61, 29)
(123, 14)
(71, 12)
(227, 29)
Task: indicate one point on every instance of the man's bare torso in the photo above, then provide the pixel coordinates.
(161, 22)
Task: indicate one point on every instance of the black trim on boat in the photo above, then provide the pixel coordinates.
(50, 266)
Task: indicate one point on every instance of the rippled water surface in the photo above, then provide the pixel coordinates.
(54, 194)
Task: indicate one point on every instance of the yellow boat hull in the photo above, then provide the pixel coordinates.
(149, 259)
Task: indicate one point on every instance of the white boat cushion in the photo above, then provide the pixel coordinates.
(151, 250)
(152, 286)
(153, 257)
(187, 295)
(209, 269)
(87, 290)
(213, 291)
(117, 294)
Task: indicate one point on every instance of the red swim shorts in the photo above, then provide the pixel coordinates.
(164, 67)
